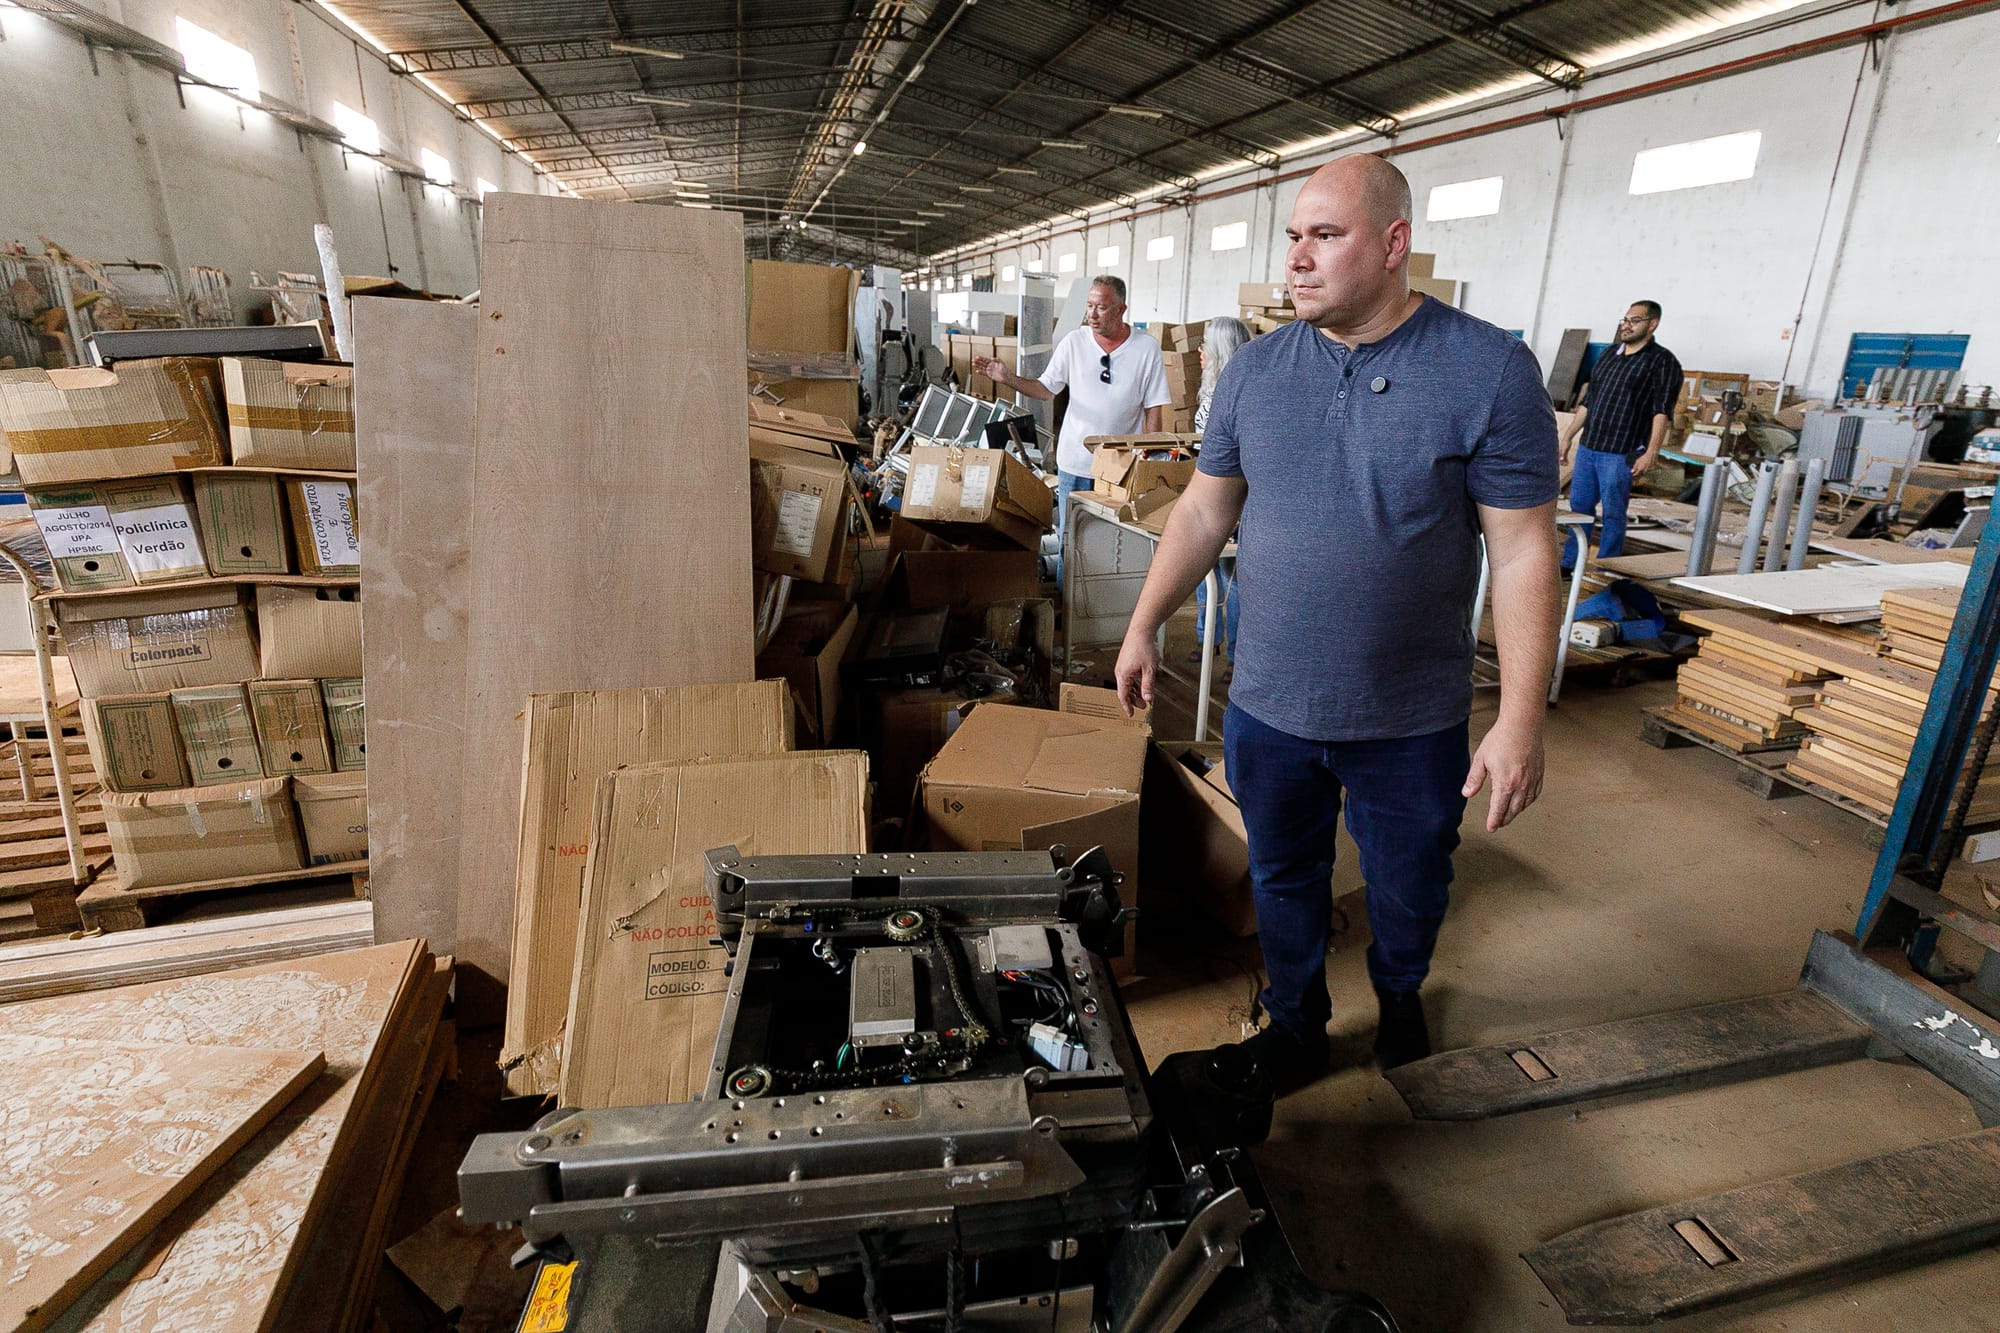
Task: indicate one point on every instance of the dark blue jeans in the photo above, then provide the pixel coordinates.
(1403, 810)
(1600, 479)
(1066, 482)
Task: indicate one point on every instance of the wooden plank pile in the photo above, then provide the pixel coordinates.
(1742, 690)
(266, 1158)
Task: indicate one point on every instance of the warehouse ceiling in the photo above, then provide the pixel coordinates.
(977, 116)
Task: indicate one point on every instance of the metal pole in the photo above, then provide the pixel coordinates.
(38, 628)
(1781, 515)
(1701, 543)
(1210, 607)
(336, 292)
(1808, 503)
(1760, 508)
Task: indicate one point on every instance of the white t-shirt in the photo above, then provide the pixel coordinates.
(1138, 381)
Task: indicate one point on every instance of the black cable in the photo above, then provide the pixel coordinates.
(954, 1280)
(1062, 1250)
(871, 1293)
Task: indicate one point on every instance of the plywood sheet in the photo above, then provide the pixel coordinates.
(648, 989)
(575, 738)
(413, 408)
(104, 1139)
(21, 684)
(611, 508)
(222, 1261)
(1809, 592)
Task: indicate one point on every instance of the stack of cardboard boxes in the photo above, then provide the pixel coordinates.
(1180, 350)
(200, 517)
(1265, 306)
(1141, 476)
(964, 350)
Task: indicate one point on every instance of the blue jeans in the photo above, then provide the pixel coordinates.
(1606, 479)
(1403, 810)
(1065, 483)
(1227, 615)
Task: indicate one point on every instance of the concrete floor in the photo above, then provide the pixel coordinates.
(1644, 880)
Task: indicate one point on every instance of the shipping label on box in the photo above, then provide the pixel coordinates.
(87, 423)
(289, 414)
(218, 733)
(308, 633)
(291, 726)
(346, 723)
(242, 518)
(156, 532)
(203, 833)
(83, 544)
(324, 524)
(133, 742)
(164, 640)
(798, 511)
(333, 816)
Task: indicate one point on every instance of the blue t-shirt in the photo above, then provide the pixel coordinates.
(1359, 552)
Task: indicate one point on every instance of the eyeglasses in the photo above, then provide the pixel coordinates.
(1105, 374)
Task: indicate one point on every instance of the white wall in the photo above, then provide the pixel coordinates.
(112, 165)
(1905, 246)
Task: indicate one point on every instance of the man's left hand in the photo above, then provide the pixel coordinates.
(1644, 463)
(1512, 757)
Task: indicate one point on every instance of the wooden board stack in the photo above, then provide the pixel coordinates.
(287, 1228)
(1744, 692)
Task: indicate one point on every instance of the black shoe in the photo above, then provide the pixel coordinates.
(1401, 1036)
(1290, 1061)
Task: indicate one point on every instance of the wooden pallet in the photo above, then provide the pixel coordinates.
(108, 905)
(1760, 772)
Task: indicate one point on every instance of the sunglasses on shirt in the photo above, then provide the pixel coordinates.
(1105, 374)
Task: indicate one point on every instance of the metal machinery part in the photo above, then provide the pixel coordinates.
(899, 1151)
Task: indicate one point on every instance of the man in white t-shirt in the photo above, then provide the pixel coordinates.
(1116, 381)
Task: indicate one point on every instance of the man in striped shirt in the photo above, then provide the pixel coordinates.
(1623, 417)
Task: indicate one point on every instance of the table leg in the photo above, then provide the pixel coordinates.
(1569, 610)
(1213, 596)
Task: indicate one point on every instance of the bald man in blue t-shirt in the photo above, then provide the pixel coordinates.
(1366, 448)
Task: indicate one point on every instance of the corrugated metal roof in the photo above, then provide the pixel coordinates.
(1226, 80)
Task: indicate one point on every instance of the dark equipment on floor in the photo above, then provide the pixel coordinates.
(1884, 993)
(927, 1110)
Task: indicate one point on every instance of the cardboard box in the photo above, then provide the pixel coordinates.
(806, 652)
(1422, 264)
(289, 413)
(291, 726)
(1183, 337)
(172, 639)
(1028, 778)
(76, 527)
(154, 520)
(333, 816)
(1135, 484)
(1446, 290)
(903, 730)
(87, 423)
(968, 490)
(203, 833)
(217, 733)
(648, 990)
(573, 739)
(133, 743)
(1193, 824)
(798, 510)
(242, 520)
(1263, 294)
(802, 308)
(346, 724)
(838, 399)
(325, 527)
(965, 582)
(308, 633)
(982, 349)
(773, 423)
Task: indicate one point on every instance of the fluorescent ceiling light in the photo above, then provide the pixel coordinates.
(651, 100)
(860, 147)
(636, 50)
(1064, 143)
(1016, 171)
(1144, 111)
(689, 203)
(953, 203)
(925, 213)
(977, 189)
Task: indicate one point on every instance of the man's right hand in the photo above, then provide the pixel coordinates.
(994, 369)
(1138, 662)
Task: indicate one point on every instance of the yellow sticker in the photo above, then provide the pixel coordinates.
(548, 1304)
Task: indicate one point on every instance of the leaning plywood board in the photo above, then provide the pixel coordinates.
(648, 988)
(573, 740)
(223, 1260)
(611, 507)
(104, 1139)
(413, 404)
(1831, 588)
